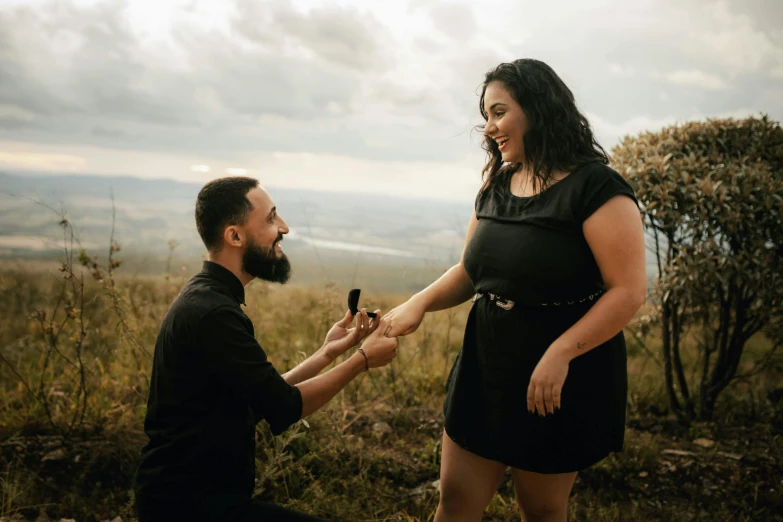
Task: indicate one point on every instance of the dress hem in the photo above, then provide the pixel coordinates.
(588, 462)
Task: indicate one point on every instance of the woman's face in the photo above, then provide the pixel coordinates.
(506, 122)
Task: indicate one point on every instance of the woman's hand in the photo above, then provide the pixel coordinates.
(340, 338)
(404, 319)
(546, 383)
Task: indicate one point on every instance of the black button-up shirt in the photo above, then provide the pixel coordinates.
(211, 383)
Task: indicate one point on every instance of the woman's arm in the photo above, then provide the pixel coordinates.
(453, 287)
(449, 290)
(616, 238)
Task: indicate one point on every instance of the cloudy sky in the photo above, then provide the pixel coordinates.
(367, 95)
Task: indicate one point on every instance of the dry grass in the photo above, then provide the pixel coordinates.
(345, 465)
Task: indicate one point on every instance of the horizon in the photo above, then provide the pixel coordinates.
(23, 174)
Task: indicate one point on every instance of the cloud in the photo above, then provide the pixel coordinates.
(41, 161)
(336, 34)
(455, 20)
(323, 80)
(697, 78)
(68, 61)
(220, 83)
(609, 133)
(13, 116)
(627, 71)
(737, 38)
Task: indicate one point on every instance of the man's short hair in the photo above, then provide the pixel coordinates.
(221, 203)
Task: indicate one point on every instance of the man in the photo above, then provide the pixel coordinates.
(211, 380)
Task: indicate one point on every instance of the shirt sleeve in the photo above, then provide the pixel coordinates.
(232, 354)
(601, 185)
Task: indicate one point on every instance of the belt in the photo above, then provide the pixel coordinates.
(508, 304)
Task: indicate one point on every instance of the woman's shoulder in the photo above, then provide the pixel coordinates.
(595, 170)
(596, 184)
(593, 176)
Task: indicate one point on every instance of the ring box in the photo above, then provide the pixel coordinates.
(353, 303)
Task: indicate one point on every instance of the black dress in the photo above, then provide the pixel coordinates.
(532, 250)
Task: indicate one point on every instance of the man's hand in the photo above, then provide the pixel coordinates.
(379, 349)
(341, 338)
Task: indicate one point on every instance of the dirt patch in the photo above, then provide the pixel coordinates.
(59, 476)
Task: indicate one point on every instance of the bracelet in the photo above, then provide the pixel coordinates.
(366, 360)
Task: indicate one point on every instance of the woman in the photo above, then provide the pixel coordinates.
(554, 261)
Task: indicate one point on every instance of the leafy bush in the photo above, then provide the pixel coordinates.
(712, 199)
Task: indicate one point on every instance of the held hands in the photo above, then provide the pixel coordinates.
(379, 349)
(340, 338)
(404, 319)
(546, 383)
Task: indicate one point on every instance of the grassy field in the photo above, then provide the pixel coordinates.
(372, 454)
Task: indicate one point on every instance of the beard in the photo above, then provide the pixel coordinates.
(263, 263)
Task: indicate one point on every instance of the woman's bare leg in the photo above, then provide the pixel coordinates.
(467, 483)
(543, 498)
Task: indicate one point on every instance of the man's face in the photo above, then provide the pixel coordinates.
(263, 256)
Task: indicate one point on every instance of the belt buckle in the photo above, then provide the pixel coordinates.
(505, 304)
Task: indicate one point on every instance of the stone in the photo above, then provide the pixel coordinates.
(381, 428)
(732, 456)
(58, 454)
(679, 453)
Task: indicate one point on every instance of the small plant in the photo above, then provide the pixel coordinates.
(14, 487)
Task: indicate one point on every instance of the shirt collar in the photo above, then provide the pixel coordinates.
(225, 276)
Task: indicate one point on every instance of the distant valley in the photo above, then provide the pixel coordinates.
(347, 238)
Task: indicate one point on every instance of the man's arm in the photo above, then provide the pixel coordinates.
(338, 340)
(321, 389)
(378, 351)
(308, 368)
(230, 352)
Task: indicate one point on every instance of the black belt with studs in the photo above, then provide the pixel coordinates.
(508, 304)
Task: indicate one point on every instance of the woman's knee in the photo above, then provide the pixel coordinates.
(537, 511)
(543, 498)
(467, 482)
(457, 497)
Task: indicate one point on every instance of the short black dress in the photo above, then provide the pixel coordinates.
(532, 250)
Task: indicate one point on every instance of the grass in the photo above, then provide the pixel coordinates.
(371, 454)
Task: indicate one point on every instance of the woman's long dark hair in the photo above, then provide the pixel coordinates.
(558, 138)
